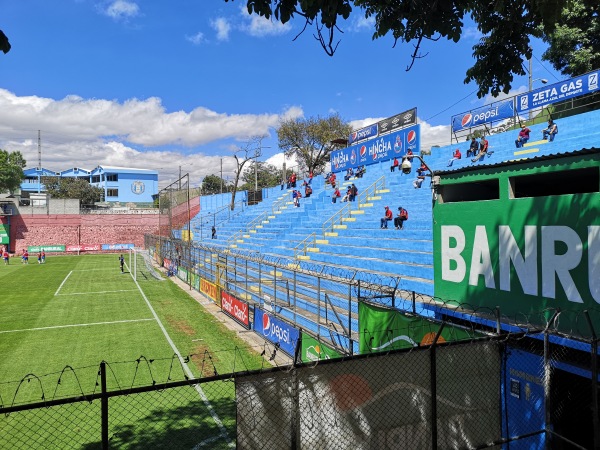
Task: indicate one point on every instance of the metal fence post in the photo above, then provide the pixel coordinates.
(104, 406)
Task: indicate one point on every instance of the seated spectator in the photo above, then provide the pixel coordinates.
(293, 179)
(386, 218)
(394, 165)
(409, 155)
(473, 148)
(307, 191)
(549, 132)
(400, 218)
(353, 192)
(336, 194)
(421, 174)
(523, 136)
(332, 179)
(360, 171)
(456, 155)
(347, 196)
(295, 197)
(483, 149)
(349, 174)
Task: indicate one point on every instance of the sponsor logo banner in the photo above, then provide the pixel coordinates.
(235, 308)
(276, 331)
(208, 288)
(4, 233)
(84, 248)
(46, 248)
(117, 246)
(557, 92)
(489, 113)
(398, 121)
(379, 149)
(363, 133)
(313, 350)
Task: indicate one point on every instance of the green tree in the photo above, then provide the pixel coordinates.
(67, 187)
(575, 42)
(212, 184)
(506, 27)
(4, 44)
(11, 170)
(309, 140)
(267, 174)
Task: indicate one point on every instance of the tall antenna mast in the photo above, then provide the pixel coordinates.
(39, 149)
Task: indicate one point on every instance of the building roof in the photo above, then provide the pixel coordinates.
(123, 169)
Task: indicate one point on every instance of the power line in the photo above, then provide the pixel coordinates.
(451, 106)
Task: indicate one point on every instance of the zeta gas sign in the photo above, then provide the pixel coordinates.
(275, 330)
(376, 150)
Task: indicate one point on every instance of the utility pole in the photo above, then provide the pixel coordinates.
(221, 175)
(39, 161)
(179, 177)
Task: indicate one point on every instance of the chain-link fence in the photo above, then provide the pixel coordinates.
(483, 393)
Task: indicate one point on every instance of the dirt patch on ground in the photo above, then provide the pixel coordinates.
(200, 358)
(181, 325)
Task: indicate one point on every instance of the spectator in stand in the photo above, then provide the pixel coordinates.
(332, 179)
(336, 194)
(293, 179)
(400, 218)
(523, 136)
(310, 177)
(353, 192)
(483, 149)
(549, 132)
(360, 171)
(213, 233)
(349, 174)
(456, 155)
(386, 218)
(421, 174)
(472, 152)
(295, 198)
(347, 196)
(307, 190)
(394, 165)
(409, 155)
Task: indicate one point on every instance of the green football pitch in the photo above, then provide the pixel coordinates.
(62, 318)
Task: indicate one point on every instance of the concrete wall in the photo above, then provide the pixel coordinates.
(72, 229)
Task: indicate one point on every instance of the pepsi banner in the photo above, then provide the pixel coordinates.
(376, 150)
(489, 113)
(117, 246)
(398, 121)
(276, 331)
(363, 133)
(557, 92)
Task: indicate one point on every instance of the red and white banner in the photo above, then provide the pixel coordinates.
(235, 308)
(84, 248)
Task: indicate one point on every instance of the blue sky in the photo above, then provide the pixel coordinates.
(156, 84)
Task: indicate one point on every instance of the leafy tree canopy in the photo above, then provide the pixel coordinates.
(575, 42)
(506, 26)
(11, 170)
(267, 175)
(309, 140)
(212, 184)
(67, 187)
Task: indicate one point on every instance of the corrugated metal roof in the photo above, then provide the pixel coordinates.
(125, 169)
(511, 162)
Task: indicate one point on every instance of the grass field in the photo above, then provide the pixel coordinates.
(62, 318)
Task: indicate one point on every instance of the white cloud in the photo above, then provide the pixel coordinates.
(121, 9)
(471, 34)
(363, 23)
(258, 26)
(361, 123)
(222, 27)
(196, 39)
(79, 132)
(501, 96)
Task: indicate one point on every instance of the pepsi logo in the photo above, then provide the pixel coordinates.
(266, 324)
(363, 151)
(466, 120)
(353, 136)
(412, 137)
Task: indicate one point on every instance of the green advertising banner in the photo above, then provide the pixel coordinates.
(182, 274)
(4, 233)
(313, 350)
(195, 282)
(530, 249)
(46, 248)
(385, 329)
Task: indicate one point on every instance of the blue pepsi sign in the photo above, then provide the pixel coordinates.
(276, 331)
(489, 113)
(379, 149)
(363, 133)
(117, 246)
(557, 92)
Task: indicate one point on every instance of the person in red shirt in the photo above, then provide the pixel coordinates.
(386, 218)
(523, 137)
(336, 194)
(456, 155)
(5, 256)
(483, 149)
(394, 165)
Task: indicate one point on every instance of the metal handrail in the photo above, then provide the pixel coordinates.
(304, 244)
(275, 206)
(346, 210)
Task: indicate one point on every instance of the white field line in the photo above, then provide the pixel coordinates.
(185, 367)
(99, 292)
(61, 284)
(76, 325)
